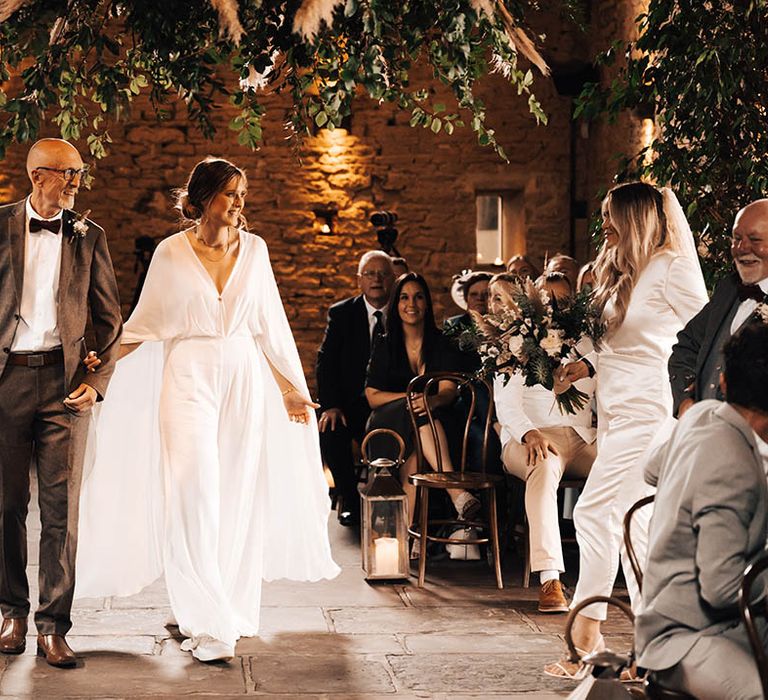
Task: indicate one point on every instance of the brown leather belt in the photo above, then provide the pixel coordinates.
(37, 359)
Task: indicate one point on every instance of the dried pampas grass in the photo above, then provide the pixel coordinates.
(9, 7)
(519, 39)
(59, 26)
(311, 14)
(229, 22)
(485, 6)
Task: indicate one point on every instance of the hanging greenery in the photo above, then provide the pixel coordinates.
(701, 70)
(82, 63)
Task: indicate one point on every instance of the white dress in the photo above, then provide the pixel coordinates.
(634, 411)
(196, 469)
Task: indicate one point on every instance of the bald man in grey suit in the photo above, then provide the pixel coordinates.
(709, 522)
(55, 273)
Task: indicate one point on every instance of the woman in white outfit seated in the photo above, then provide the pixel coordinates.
(540, 446)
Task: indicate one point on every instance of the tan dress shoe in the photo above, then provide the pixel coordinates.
(13, 635)
(551, 597)
(55, 650)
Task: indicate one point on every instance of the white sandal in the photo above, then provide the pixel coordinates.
(566, 669)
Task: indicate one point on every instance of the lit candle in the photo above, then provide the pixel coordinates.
(386, 556)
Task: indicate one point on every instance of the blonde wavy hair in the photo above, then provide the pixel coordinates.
(636, 211)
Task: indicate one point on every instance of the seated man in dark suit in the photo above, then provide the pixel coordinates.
(709, 522)
(342, 362)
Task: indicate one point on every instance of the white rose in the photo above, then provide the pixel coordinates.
(552, 343)
(515, 344)
(493, 352)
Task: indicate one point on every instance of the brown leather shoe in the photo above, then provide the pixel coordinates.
(552, 598)
(13, 635)
(55, 650)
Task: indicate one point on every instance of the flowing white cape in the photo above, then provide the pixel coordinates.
(123, 494)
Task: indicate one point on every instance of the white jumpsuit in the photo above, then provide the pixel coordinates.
(634, 409)
(242, 495)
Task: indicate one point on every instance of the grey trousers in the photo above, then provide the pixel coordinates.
(36, 428)
(717, 668)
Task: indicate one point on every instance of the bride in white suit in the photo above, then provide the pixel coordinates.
(207, 466)
(649, 284)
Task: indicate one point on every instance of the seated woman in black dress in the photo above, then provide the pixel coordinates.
(412, 346)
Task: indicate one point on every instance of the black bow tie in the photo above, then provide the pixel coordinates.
(35, 225)
(750, 291)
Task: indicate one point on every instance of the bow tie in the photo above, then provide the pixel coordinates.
(36, 225)
(750, 291)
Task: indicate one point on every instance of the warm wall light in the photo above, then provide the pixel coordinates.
(647, 134)
(326, 217)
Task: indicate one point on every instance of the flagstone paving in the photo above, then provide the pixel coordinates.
(457, 638)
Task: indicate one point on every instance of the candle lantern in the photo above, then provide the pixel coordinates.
(384, 522)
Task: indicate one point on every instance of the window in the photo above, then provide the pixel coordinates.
(488, 230)
(499, 232)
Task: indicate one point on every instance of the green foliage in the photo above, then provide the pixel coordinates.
(82, 64)
(703, 68)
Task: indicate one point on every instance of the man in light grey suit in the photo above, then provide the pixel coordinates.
(709, 522)
(55, 272)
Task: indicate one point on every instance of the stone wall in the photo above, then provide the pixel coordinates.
(381, 163)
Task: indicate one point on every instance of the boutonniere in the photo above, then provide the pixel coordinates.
(761, 311)
(80, 225)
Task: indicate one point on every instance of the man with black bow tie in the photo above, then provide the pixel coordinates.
(697, 358)
(55, 272)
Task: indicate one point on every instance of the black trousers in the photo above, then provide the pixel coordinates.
(36, 428)
(336, 449)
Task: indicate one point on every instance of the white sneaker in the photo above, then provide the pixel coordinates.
(467, 506)
(208, 649)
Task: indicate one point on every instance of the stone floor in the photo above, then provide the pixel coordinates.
(459, 637)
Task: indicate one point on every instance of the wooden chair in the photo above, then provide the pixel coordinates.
(653, 689)
(469, 479)
(750, 610)
(631, 554)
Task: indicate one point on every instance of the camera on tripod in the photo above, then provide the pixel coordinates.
(384, 222)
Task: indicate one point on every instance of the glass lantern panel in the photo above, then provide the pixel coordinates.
(385, 537)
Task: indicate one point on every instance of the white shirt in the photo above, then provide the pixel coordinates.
(372, 318)
(521, 408)
(747, 308)
(38, 328)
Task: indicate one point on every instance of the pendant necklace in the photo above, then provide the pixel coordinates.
(202, 241)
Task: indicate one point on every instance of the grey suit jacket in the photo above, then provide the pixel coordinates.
(87, 287)
(709, 522)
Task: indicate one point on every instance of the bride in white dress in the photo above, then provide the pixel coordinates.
(649, 284)
(205, 462)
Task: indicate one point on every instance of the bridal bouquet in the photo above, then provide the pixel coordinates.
(533, 334)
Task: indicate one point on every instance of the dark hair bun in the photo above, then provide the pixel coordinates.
(189, 210)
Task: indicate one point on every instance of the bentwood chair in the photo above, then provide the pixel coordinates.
(653, 689)
(628, 546)
(469, 477)
(752, 608)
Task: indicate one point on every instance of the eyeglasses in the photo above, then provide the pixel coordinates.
(68, 173)
(375, 274)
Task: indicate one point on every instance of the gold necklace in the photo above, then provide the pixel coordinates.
(203, 242)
